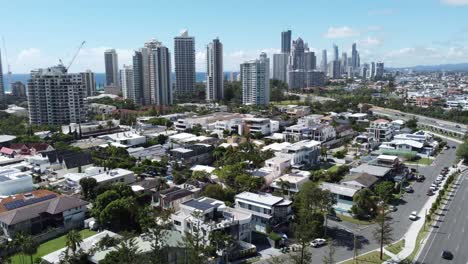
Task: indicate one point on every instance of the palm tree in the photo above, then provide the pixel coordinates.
(73, 240)
(29, 247)
(284, 185)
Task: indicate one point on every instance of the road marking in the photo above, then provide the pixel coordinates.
(449, 235)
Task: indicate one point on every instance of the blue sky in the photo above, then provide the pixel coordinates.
(398, 32)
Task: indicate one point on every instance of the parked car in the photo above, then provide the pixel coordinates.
(447, 255)
(430, 192)
(454, 146)
(433, 188)
(413, 216)
(318, 242)
(420, 178)
(392, 208)
(333, 217)
(409, 189)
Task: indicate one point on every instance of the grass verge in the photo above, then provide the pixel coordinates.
(354, 220)
(397, 247)
(49, 247)
(371, 257)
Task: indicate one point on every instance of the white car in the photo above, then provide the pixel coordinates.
(318, 242)
(414, 216)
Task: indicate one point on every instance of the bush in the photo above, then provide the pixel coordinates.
(273, 236)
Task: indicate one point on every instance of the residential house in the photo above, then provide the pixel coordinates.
(194, 154)
(172, 198)
(267, 210)
(291, 182)
(360, 181)
(344, 195)
(14, 181)
(38, 211)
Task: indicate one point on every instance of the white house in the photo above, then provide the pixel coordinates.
(266, 209)
(13, 181)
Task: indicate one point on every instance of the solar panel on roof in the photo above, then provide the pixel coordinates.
(21, 203)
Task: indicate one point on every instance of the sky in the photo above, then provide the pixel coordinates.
(400, 33)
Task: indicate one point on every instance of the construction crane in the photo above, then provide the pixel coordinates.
(7, 62)
(74, 56)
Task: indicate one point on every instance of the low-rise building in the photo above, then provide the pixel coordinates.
(102, 176)
(193, 154)
(125, 139)
(13, 181)
(343, 194)
(172, 198)
(38, 211)
(266, 209)
(291, 182)
(213, 215)
(382, 130)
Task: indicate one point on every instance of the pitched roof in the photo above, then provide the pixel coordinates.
(7, 151)
(363, 179)
(51, 206)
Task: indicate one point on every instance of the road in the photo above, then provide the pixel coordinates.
(342, 232)
(422, 120)
(452, 229)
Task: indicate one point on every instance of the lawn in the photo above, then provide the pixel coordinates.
(333, 168)
(371, 257)
(288, 102)
(50, 246)
(421, 161)
(396, 247)
(354, 220)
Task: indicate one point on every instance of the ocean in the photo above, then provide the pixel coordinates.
(100, 79)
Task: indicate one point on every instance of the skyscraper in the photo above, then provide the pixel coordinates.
(152, 75)
(127, 81)
(255, 78)
(160, 76)
(286, 41)
(112, 68)
(344, 62)
(379, 70)
(324, 60)
(354, 56)
(56, 97)
(280, 66)
(89, 82)
(335, 53)
(137, 95)
(296, 65)
(310, 61)
(2, 87)
(184, 62)
(372, 71)
(214, 71)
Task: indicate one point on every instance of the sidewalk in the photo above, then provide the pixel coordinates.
(413, 231)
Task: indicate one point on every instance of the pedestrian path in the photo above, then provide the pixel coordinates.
(413, 231)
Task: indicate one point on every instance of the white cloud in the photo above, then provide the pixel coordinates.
(30, 58)
(341, 32)
(421, 55)
(454, 2)
(370, 41)
(381, 12)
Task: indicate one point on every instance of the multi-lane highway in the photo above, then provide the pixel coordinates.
(444, 126)
(451, 230)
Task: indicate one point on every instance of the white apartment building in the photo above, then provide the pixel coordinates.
(382, 130)
(210, 215)
(126, 79)
(102, 176)
(184, 63)
(56, 97)
(255, 77)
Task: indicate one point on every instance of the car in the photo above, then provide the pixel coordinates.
(413, 216)
(454, 146)
(447, 255)
(430, 192)
(409, 189)
(446, 147)
(333, 217)
(318, 242)
(433, 188)
(420, 178)
(392, 208)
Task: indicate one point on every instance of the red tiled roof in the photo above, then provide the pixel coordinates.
(7, 151)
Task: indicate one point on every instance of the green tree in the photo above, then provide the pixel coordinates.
(412, 123)
(462, 151)
(72, 241)
(384, 191)
(383, 231)
(88, 186)
(217, 191)
(126, 252)
(329, 258)
(196, 243)
(364, 204)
